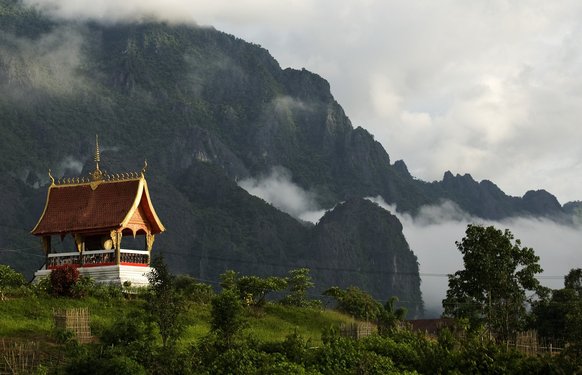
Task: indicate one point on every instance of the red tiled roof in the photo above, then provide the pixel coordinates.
(79, 208)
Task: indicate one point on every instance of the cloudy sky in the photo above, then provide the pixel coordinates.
(491, 88)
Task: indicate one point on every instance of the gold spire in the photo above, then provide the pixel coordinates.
(97, 156)
(97, 175)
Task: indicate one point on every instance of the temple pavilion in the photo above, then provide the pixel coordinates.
(95, 213)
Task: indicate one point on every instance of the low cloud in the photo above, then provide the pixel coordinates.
(432, 235)
(205, 12)
(278, 189)
(285, 104)
(69, 166)
(49, 63)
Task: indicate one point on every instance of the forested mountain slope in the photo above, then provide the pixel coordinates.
(207, 109)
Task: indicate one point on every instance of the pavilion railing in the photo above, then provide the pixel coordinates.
(93, 258)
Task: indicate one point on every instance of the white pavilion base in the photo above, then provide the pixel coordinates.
(116, 274)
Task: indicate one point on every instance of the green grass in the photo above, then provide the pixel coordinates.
(31, 318)
(279, 321)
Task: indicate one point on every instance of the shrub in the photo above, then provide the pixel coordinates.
(133, 334)
(63, 280)
(83, 287)
(10, 281)
(9, 278)
(355, 302)
(299, 282)
(165, 305)
(227, 317)
(193, 290)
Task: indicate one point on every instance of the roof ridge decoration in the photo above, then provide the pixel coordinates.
(98, 176)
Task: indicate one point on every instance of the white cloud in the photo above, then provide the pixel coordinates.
(278, 189)
(69, 166)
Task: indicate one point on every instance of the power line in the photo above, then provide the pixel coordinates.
(334, 269)
(288, 266)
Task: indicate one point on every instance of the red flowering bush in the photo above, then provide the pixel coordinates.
(63, 280)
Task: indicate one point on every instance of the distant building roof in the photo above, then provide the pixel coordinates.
(92, 207)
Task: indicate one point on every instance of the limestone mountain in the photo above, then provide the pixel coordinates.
(207, 109)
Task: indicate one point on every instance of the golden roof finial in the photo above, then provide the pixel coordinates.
(51, 177)
(97, 155)
(145, 165)
(97, 175)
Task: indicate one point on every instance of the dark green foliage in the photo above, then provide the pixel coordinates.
(133, 335)
(193, 290)
(491, 290)
(390, 317)
(118, 364)
(355, 302)
(345, 356)
(252, 290)
(243, 358)
(164, 304)
(573, 280)
(558, 319)
(63, 280)
(11, 282)
(9, 278)
(83, 287)
(227, 317)
(299, 282)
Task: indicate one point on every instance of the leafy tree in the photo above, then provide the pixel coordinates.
(193, 290)
(355, 302)
(491, 290)
(573, 280)
(228, 280)
(299, 282)
(559, 317)
(227, 315)
(390, 316)
(164, 304)
(131, 334)
(252, 290)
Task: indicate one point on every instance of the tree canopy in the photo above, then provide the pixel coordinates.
(491, 289)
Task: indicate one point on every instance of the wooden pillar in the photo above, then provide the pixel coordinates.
(80, 244)
(46, 244)
(116, 238)
(46, 247)
(150, 238)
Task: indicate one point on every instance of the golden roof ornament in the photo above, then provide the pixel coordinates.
(97, 175)
(51, 177)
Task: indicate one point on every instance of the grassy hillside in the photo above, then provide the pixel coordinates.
(31, 318)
